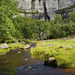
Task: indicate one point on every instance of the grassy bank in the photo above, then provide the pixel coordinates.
(63, 50)
(15, 44)
(12, 46)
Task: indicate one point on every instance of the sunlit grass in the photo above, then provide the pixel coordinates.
(12, 46)
(61, 49)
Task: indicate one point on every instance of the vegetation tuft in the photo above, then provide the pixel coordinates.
(62, 50)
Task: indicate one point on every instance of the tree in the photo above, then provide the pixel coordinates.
(6, 29)
(26, 27)
(43, 29)
(8, 8)
(73, 16)
(58, 18)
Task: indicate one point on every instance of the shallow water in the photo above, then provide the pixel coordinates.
(22, 63)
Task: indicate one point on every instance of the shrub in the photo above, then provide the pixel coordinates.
(73, 16)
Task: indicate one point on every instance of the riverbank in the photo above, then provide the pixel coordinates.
(11, 46)
(20, 62)
(63, 50)
(16, 44)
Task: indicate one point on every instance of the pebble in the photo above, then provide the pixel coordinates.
(26, 59)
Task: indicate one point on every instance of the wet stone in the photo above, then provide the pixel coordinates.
(26, 46)
(51, 62)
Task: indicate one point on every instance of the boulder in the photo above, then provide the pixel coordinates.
(26, 46)
(33, 45)
(4, 46)
(51, 62)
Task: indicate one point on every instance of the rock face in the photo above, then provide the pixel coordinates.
(4, 46)
(46, 8)
(65, 3)
(24, 4)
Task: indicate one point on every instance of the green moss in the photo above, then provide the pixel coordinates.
(25, 12)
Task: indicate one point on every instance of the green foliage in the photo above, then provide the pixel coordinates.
(64, 55)
(38, 29)
(69, 28)
(73, 16)
(66, 20)
(12, 46)
(25, 12)
(61, 28)
(28, 28)
(7, 10)
(7, 28)
(58, 18)
(43, 29)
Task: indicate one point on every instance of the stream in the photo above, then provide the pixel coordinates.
(20, 62)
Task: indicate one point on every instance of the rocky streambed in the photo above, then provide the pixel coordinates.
(20, 62)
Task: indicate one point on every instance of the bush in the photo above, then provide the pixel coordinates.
(58, 18)
(73, 16)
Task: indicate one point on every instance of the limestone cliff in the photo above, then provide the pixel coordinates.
(46, 8)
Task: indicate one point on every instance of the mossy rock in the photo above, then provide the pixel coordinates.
(51, 62)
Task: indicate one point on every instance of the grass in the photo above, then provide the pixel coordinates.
(63, 50)
(12, 46)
